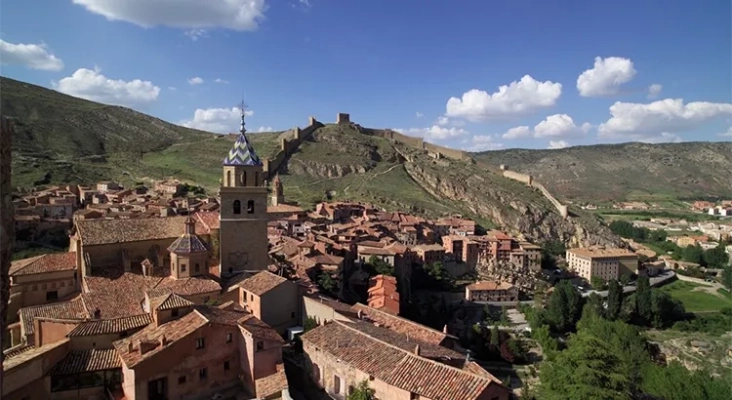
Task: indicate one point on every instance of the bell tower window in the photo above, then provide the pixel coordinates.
(250, 207)
(244, 178)
(237, 207)
(228, 178)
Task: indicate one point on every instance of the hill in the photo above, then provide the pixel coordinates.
(61, 139)
(628, 171)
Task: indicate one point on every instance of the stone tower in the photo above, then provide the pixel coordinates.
(188, 253)
(243, 234)
(278, 194)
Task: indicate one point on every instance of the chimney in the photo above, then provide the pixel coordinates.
(130, 347)
(416, 350)
(444, 329)
(468, 357)
(146, 347)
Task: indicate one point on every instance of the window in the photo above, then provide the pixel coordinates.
(260, 346)
(251, 297)
(198, 268)
(52, 295)
(336, 384)
(182, 268)
(229, 338)
(203, 373)
(250, 207)
(182, 380)
(228, 178)
(237, 207)
(243, 178)
(174, 312)
(415, 396)
(200, 343)
(350, 389)
(226, 366)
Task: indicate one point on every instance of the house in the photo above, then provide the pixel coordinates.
(491, 291)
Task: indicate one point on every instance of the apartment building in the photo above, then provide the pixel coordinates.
(601, 262)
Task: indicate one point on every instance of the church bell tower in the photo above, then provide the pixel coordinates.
(243, 234)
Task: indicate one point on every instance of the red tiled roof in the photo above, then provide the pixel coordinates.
(44, 263)
(169, 302)
(401, 325)
(106, 326)
(31, 354)
(262, 282)
(77, 361)
(210, 220)
(271, 384)
(258, 329)
(108, 231)
(490, 285)
(72, 309)
(394, 365)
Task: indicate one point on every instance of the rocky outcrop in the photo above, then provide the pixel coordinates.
(519, 210)
(324, 169)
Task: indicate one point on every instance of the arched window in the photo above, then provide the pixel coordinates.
(237, 207)
(243, 178)
(228, 178)
(250, 207)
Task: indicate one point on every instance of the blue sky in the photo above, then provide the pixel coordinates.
(472, 74)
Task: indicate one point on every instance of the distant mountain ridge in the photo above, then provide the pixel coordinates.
(628, 170)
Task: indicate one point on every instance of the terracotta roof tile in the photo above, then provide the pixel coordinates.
(401, 325)
(153, 335)
(259, 330)
(72, 309)
(106, 326)
(169, 302)
(262, 282)
(107, 231)
(77, 361)
(210, 220)
(16, 351)
(271, 384)
(395, 366)
(45, 263)
(284, 208)
(31, 354)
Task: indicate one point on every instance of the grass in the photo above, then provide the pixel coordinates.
(635, 215)
(697, 300)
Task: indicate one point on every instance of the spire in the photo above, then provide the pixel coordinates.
(190, 225)
(242, 154)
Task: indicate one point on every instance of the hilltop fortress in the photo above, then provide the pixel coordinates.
(290, 142)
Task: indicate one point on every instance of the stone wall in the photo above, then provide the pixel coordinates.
(289, 144)
(529, 180)
(418, 143)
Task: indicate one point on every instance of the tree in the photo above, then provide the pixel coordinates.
(327, 282)
(310, 323)
(596, 303)
(588, 369)
(693, 254)
(362, 391)
(727, 277)
(495, 337)
(665, 309)
(614, 300)
(625, 279)
(597, 283)
(381, 267)
(643, 302)
(504, 321)
(716, 257)
(565, 307)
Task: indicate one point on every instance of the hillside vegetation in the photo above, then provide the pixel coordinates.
(628, 171)
(61, 139)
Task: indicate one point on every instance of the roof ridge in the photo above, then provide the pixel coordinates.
(403, 319)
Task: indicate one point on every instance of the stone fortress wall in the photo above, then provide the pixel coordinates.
(529, 180)
(290, 141)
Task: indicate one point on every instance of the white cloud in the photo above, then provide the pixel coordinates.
(419, 114)
(484, 143)
(92, 85)
(517, 98)
(654, 90)
(195, 81)
(728, 133)
(637, 121)
(435, 132)
(34, 56)
(237, 15)
(305, 3)
(219, 120)
(265, 129)
(196, 34)
(559, 144)
(555, 126)
(559, 126)
(222, 81)
(172, 88)
(605, 78)
(442, 121)
(517, 133)
(664, 137)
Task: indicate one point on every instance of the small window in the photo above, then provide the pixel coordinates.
(174, 312)
(50, 296)
(336, 384)
(182, 380)
(350, 389)
(182, 268)
(237, 207)
(200, 343)
(251, 297)
(203, 373)
(229, 338)
(250, 207)
(260, 346)
(198, 268)
(226, 366)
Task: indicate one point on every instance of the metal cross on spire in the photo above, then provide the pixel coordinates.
(243, 110)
